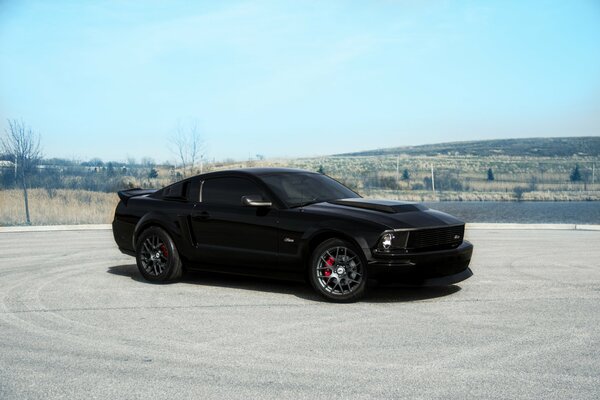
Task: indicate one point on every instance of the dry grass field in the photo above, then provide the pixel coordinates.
(57, 207)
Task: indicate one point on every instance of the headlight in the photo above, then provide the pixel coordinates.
(392, 241)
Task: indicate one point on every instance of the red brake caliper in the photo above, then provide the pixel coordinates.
(330, 261)
(164, 250)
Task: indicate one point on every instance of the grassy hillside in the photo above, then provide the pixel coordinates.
(536, 147)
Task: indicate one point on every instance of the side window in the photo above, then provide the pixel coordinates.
(228, 191)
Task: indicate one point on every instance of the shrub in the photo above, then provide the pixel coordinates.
(519, 191)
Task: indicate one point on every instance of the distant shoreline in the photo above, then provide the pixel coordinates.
(422, 196)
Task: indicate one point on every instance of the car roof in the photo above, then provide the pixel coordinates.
(255, 172)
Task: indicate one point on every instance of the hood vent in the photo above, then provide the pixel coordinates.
(386, 206)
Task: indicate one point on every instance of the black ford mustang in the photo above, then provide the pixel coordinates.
(287, 223)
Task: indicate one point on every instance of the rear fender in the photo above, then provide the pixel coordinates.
(162, 221)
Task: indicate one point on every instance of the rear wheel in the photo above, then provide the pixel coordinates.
(338, 271)
(157, 257)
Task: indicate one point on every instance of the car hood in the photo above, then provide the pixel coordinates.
(390, 213)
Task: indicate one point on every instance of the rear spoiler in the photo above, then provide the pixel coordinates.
(125, 195)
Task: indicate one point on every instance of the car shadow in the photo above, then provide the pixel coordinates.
(399, 294)
(200, 278)
(129, 270)
(376, 293)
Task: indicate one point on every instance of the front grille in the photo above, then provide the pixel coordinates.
(436, 238)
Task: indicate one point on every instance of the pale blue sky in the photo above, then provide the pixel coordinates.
(298, 78)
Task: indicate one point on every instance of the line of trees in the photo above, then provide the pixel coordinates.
(575, 176)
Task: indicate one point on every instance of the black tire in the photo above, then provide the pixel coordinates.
(157, 257)
(338, 271)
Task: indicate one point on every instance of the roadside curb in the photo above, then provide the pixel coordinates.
(50, 228)
(562, 227)
(471, 226)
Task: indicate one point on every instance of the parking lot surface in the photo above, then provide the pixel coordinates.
(78, 322)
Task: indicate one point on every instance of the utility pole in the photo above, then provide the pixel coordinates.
(16, 162)
(432, 180)
(397, 170)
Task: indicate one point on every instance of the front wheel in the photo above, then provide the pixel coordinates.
(157, 257)
(338, 271)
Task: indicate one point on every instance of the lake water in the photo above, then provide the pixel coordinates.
(559, 212)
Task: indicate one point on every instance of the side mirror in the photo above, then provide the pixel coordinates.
(255, 201)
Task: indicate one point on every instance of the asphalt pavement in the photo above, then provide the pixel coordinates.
(78, 322)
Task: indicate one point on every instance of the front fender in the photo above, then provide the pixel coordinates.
(361, 236)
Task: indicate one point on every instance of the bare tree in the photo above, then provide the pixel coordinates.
(148, 162)
(23, 144)
(188, 146)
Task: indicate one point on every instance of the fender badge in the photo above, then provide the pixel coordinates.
(288, 240)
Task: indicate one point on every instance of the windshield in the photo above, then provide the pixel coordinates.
(299, 189)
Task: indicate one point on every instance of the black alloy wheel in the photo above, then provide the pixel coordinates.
(338, 271)
(157, 257)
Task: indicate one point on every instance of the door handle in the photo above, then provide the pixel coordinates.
(201, 215)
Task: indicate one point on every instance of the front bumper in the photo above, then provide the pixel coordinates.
(435, 268)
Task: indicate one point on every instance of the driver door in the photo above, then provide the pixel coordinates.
(230, 234)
